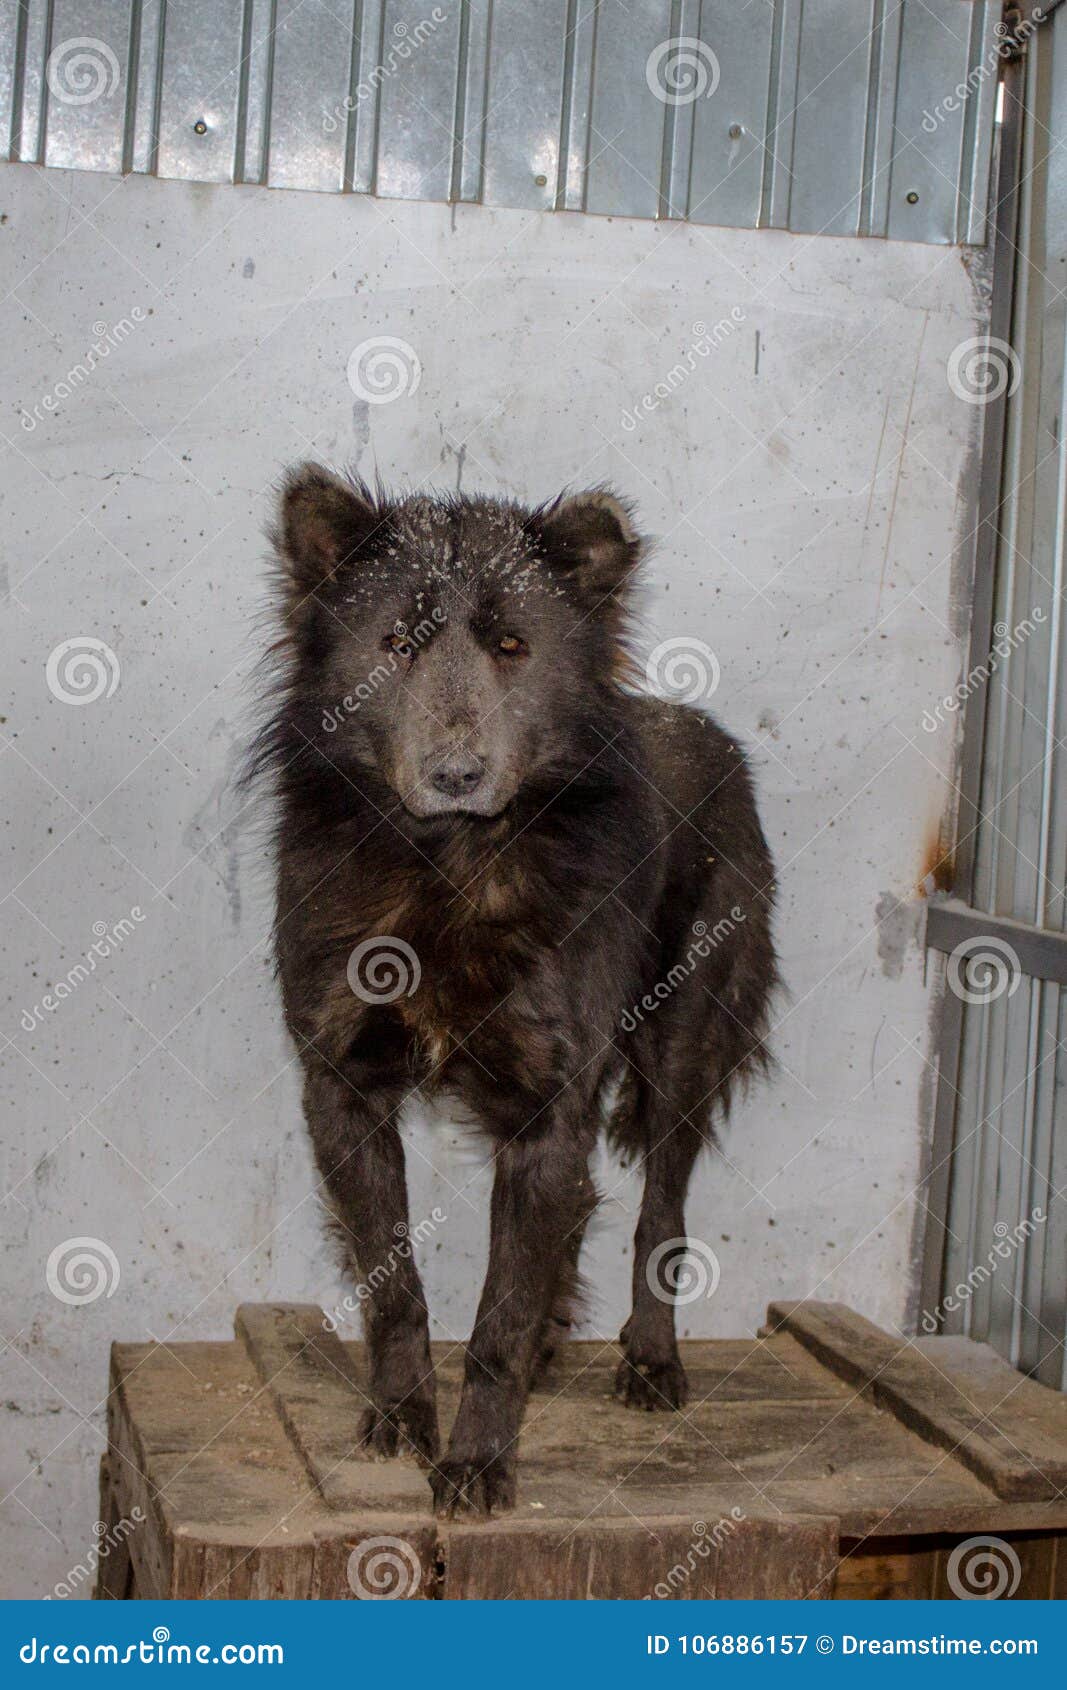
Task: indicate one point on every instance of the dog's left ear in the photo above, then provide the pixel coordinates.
(591, 538)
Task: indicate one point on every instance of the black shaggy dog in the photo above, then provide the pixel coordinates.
(503, 872)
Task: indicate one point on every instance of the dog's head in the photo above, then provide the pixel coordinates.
(458, 647)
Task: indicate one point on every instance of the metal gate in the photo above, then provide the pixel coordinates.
(997, 1245)
(845, 117)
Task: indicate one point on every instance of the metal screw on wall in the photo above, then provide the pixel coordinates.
(199, 127)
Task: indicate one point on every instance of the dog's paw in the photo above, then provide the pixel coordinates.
(406, 1428)
(473, 1488)
(651, 1385)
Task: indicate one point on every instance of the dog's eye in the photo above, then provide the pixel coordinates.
(400, 642)
(511, 645)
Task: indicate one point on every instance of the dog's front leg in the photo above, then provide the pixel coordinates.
(540, 1194)
(361, 1159)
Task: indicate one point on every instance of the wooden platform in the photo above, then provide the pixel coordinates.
(825, 1458)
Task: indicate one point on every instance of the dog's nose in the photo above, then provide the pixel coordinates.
(457, 773)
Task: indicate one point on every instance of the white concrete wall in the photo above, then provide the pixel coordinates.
(807, 514)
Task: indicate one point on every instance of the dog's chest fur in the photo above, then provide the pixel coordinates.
(488, 963)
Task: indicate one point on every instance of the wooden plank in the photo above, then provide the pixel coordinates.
(129, 1465)
(305, 1368)
(658, 1559)
(114, 1569)
(674, 1560)
(788, 1558)
(206, 1447)
(389, 1558)
(778, 1369)
(1014, 1438)
(879, 1510)
(900, 1571)
(1016, 1566)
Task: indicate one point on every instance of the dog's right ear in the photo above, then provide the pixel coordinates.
(323, 524)
(590, 538)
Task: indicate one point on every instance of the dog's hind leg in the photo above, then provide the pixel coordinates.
(566, 1296)
(361, 1159)
(650, 1374)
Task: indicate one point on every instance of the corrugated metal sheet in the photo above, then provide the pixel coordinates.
(1009, 1158)
(868, 117)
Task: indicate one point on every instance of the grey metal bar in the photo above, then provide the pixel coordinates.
(1042, 951)
(1005, 219)
(990, 495)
